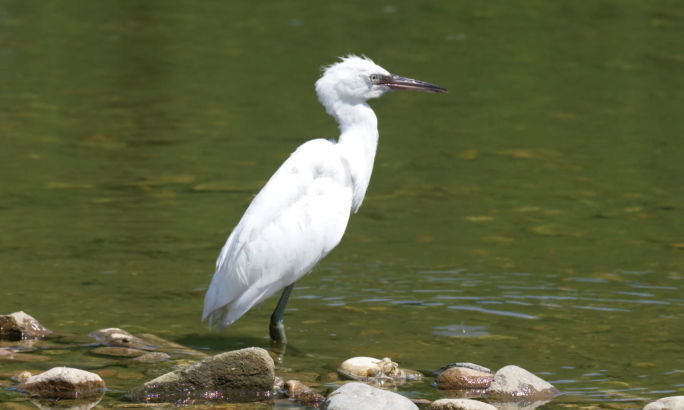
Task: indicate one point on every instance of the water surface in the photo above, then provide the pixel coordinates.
(532, 216)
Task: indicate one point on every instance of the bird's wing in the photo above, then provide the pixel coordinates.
(297, 218)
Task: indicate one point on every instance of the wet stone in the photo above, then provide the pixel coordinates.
(465, 365)
(293, 388)
(118, 351)
(168, 346)
(367, 368)
(667, 403)
(462, 378)
(512, 382)
(240, 375)
(309, 398)
(459, 404)
(19, 325)
(22, 376)
(120, 338)
(278, 383)
(64, 383)
(153, 357)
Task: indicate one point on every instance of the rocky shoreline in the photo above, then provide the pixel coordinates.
(250, 375)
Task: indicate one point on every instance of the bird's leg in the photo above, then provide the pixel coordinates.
(277, 328)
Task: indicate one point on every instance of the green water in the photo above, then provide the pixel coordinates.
(532, 216)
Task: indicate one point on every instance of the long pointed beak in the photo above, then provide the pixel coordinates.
(396, 82)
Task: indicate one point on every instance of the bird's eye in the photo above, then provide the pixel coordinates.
(374, 77)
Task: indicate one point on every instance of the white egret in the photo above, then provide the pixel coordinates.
(302, 212)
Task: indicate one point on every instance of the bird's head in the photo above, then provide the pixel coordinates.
(355, 79)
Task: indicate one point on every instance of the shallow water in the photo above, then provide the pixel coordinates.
(532, 216)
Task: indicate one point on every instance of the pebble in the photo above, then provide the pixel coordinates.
(466, 365)
(462, 378)
(19, 325)
(278, 383)
(667, 403)
(22, 376)
(64, 383)
(512, 382)
(360, 396)
(459, 404)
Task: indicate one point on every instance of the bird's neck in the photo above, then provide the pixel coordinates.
(358, 144)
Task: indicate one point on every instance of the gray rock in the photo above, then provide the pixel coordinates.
(459, 404)
(64, 383)
(359, 396)
(513, 382)
(461, 378)
(241, 375)
(465, 365)
(19, 325)
(667, 403)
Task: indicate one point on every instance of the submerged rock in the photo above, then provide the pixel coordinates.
(310, 398)
(462, 378)
(241, 375)
(365, 368)
(512, 382)
(64, 383)
(120, 338)
(153, 357)
(465, 365)
(118, 351)
(293, 388)
(19, 325)
(459, 404)
(168, 346)
(667, 403)
(302, 393)
(24, 357)
(359, 396)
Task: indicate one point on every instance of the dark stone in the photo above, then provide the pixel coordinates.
(465, 365)
(19, 325)
(240, 376)
(461, 378)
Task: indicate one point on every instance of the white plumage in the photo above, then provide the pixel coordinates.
(302, 212)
